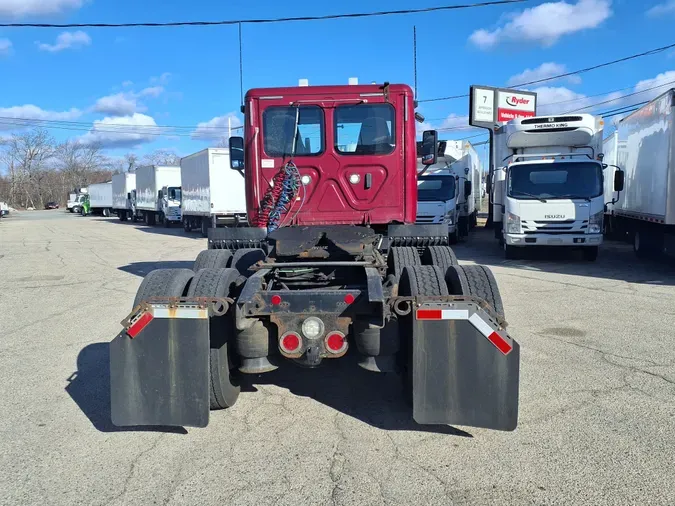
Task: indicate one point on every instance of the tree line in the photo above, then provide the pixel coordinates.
(36, 169)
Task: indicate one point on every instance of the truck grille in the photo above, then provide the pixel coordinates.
(426, 220)
(554, 227)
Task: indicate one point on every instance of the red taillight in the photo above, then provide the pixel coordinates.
(349, 298)
(276, 300)
(336, 342)
(290, 343)
(139, 324)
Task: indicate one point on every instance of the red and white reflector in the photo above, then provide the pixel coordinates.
(438, 314)
(139, 324)
(336, 342)
(290, 342)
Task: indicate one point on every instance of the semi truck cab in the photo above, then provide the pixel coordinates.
(550, 190)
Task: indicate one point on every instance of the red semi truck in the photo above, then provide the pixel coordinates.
(332, 263)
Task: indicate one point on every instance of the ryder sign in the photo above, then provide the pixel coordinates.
(512, 105)
(489, 106)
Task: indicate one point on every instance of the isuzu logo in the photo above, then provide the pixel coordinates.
(554, 216)
(516, 101)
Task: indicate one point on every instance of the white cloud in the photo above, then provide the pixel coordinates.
(5, 47)
(662, 8)
(543, 71)
(126, 84)
(163, 79)
(126, 103)
(216, 128)
(67, 40)
(120, 104)
(33, 114)
(20, 8)
(117, 132)
(154, 91)
(660, 82)
(546, 23)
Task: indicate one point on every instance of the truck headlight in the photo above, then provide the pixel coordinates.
(448, 217)
(512, 224)
(595, 223)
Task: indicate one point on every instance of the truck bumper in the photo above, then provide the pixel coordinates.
(576, 240)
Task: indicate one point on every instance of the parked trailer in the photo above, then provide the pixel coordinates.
(212, 194)
(99, 199)
(157, 196)
(548, 187)
(444, 190)
(123, 187)
(311, 277)
(644, 213)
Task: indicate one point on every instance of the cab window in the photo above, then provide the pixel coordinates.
(284, 125)
(365, 129)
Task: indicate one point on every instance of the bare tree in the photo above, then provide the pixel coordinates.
(28, 157)
(161, 157)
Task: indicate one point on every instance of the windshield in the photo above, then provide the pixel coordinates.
(439, 188)
(174, 193)
(555, 180)
(279, 128)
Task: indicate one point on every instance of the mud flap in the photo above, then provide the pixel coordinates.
(465, 368)
(161, 375)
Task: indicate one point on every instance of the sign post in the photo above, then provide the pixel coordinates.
(491, 107)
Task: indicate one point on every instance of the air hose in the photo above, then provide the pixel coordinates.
(279, 198)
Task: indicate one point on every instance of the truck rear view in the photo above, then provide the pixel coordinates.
(212, 194)
(333, 264)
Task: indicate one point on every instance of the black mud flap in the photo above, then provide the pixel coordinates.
(465, 368)
(161, 376)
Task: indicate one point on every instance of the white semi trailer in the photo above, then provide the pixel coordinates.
(123, 186)
(212, 193)
(644, 212)
(101, 198)
(548, 183)
(158, 194)
(444, 190)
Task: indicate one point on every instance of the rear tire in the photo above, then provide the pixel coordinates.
(591, 253)
(225, 388)
(212, 259)
(164, 283)
(244, 258)
(122, 215)
(401, 257)
(106, 213)
(475, 281)
(440, 256)
(416, 280)
(187, 225)
(167, 223)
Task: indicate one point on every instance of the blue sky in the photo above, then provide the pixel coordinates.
(123, 80)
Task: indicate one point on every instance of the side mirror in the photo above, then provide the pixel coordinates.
(128, 196)
(467, 188)
(236, 145)
(619, 179)
(429, 150)
(159, 194)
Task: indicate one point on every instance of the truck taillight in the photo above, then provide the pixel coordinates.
(290, 343)
(336, 342)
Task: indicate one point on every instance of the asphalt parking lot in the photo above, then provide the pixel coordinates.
(597, 398)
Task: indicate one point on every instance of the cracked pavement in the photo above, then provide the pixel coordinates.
(597, 401)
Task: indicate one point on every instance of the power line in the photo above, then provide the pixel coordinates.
(621, 97)
(567, 74)
(263, 21)
(38, 121)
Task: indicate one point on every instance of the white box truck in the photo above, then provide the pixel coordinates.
(644, 212)
(123, 185)
(158, 194)
(213, 193)
(101, 198)
(444, 190)
(548, 184)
